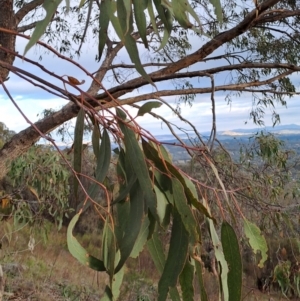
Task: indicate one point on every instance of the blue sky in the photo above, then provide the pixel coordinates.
(33, 101)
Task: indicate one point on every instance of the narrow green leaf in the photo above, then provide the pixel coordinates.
(256, 240)
(50, 7)
(103, 26)
(152, 16)
(161, 204)
(166, 155)
(122, 217)
(103, 162)
(137, 160)
(96, 140)
(133, 225)
(233, 257)
(218, 9)
(177, 254)
(78, 138)
(141, 239)
(191, 11)
(167, 167)
(180, 13)
(108, 248)
(187, 217)
(140, 19)
(131, 47)
(124, 11)
(186, 279)
(156, 251)
(125, 189)
(147, 107)
(167, 29)
(162, 13)
(79, 252)
(219, 256)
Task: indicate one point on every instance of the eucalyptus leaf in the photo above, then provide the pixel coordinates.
(148, 106)
(50, 7)
(256, 240)
(79, 252)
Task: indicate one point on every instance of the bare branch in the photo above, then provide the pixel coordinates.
(133, 66)
(22, 12)
(233, 87)
(26, 27)
(277, 15)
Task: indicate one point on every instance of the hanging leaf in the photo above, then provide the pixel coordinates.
(180, 14)
(133, 225)
(103, 26)
(233, 257)
(103, 163)
(152, 16)
(256, 240)
(218, 9)
(141, 239)
(187, 217)
(96, 139)
(148, 106)
(124, 11)
(177, 254)
(79, 252)
(167, 167)
(108, 248)
(140, 19)
(156, 251)
(162, 204)
(103, 160)
(125, 189)
(219, 256)
(78, 138)
(137, 160)
(50, 7)
(122, 217)
(186, 280)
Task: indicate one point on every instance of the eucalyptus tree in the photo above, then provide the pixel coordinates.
(252, 43)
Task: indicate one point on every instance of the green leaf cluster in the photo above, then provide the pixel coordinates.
(151, 195)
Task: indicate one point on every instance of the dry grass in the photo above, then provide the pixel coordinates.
(49, 272)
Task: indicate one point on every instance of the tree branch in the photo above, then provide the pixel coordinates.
(277, 15)
(22, 12)
(232, 87)
(23, 140)
(26, 27)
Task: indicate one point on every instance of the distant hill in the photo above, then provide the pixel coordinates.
(288, 129)
(278, 129)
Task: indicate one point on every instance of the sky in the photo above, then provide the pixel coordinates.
(33, 101)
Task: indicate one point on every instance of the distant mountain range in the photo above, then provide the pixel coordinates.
(289, 129)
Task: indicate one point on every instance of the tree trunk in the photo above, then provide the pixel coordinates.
(8, 21)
